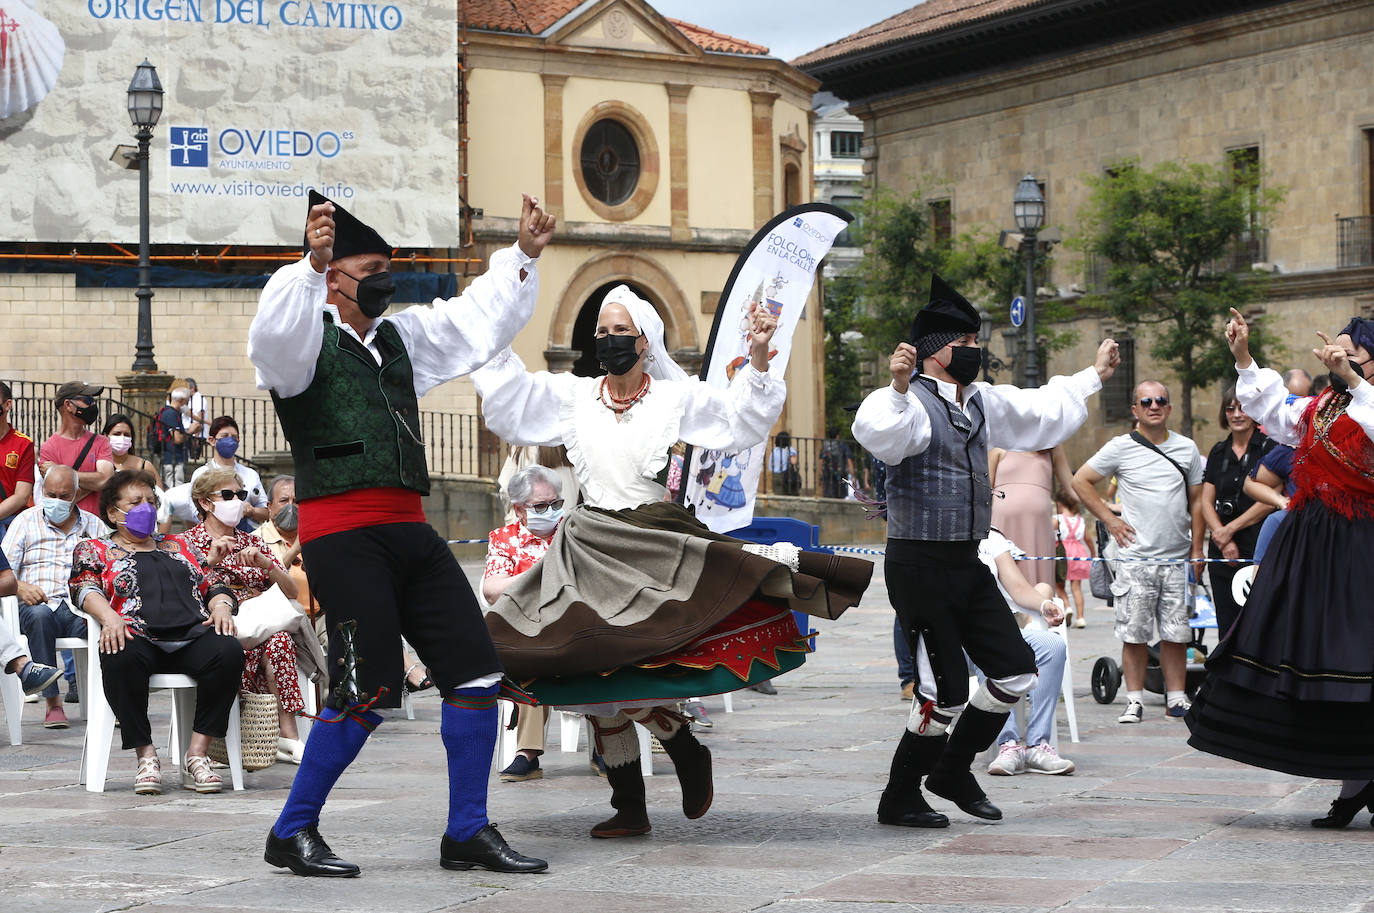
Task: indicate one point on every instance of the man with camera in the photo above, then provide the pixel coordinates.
(1159, 482)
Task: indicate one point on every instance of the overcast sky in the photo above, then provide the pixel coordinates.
(788, 29)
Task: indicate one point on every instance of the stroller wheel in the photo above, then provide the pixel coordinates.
(1106, 680)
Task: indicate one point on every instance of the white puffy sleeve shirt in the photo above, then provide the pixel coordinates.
(617, 462)
(1264, 397)
(446, 339)
(893, 426)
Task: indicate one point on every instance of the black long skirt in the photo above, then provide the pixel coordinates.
(1291, 687)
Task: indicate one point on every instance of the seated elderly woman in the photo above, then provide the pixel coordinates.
(249, 569)
(162, 608)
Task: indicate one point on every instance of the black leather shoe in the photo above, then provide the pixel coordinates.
(486, 849)
(909, 811)
(1344, 810)
(306, 853)
(930, 818)
(963, 790)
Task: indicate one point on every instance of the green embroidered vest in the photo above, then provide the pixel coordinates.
(358, 423)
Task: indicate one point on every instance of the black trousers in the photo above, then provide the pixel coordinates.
(393, 580)
(215, 661)
(947, 603)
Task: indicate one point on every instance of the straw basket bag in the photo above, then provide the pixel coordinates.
(259, 729)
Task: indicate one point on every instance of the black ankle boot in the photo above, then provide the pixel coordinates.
(693, 763)
(902, 803)
(1344, 810)
(952, 779)
(631, 817)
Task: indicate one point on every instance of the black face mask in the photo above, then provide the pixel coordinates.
(374, 293)
(964, 364)
(617, 353)
(88, 414)
(1338, 383)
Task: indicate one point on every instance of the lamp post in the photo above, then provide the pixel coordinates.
(1028, 205)
(145, 107)
(990, 362)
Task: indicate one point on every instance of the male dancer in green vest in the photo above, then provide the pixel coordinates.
(346, 381)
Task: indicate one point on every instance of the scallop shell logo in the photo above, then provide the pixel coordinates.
(31, 51)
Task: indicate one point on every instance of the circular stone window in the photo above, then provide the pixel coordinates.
(610, 162)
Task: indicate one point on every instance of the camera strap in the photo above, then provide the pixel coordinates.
(1140, 439)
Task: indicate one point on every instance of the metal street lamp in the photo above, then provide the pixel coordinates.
(1028, 206)
(990, 362)
(145, 107)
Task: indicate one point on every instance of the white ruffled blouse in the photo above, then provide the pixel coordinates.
(618, 463)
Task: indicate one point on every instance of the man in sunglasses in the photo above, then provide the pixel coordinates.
(346, 377)
(536, 496)
(1159, 484)
(933, 430)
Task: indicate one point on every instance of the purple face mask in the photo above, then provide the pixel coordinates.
(141, 520)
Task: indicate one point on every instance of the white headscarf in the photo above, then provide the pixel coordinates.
(658, 364)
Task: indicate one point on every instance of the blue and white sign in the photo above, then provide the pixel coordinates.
(264, 101)
(1018, 311)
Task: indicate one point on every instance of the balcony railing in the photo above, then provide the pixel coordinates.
(1355, 241)
(1245, 251)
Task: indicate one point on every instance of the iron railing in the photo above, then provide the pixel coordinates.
(821, 470)
(1354, 241)
(455, 443)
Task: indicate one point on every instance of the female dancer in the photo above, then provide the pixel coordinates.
(1291, 685)
(633, 583)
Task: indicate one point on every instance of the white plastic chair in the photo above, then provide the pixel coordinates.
(100, 720)
(570, 727)
(11, 692)
(1038, 623)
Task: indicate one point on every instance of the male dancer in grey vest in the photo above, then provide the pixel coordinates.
(345, 381)
(933, 432)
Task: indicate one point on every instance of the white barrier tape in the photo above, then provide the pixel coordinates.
(855, 550)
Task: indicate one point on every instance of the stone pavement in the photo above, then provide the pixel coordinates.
(1145, 823)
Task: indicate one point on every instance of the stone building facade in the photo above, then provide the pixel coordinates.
(974, 100)
(721, 141)
(661, 146)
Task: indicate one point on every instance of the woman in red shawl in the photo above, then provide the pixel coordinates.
(1291, 685)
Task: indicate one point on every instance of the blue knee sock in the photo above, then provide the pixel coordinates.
(331, 747)
(468, 724)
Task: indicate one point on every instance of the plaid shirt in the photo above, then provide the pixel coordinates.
(41, 554)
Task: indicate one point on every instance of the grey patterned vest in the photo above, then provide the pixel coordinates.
(943, 494)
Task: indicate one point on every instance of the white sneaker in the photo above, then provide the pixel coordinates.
(1135, 712)
(1043, 759)
(1010, 760)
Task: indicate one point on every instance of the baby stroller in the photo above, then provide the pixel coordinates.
(1106, 677)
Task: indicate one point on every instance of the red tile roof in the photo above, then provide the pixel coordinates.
(531, 17)
(526, 17)
(929, 17)
(708, 40)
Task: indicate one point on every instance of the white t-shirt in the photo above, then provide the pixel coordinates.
(989, 550)
(196, 405)
(1154, 500)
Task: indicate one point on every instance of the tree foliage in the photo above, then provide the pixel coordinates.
(870, 310)
(1168, 236)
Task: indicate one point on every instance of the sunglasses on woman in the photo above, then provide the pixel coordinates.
(540, 507)
(227, 494)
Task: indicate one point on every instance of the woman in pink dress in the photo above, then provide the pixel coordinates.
(1023, 506)
(1072, 530)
